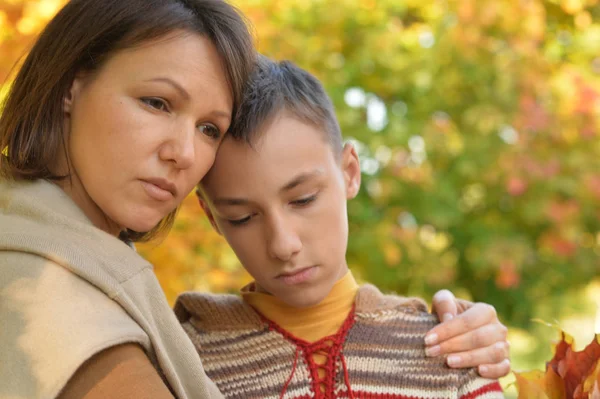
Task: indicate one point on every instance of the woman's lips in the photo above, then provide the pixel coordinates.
(157, 192)
(298, 277)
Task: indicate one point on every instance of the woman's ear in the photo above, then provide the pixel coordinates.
(73, 93)
(351, 170)
(208, 212)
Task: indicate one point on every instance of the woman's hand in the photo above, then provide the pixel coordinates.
(470, 334)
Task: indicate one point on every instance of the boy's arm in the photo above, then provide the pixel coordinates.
(470, 334)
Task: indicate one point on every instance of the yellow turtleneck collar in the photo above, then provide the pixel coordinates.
(312, 323)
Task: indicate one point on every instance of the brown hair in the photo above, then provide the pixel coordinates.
(276, 87)
(81, 37)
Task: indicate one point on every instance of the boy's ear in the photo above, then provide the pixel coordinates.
(351, 169)
(208, 212)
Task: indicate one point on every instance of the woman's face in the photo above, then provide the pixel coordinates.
(143, 130)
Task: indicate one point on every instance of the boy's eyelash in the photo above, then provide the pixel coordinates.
(239, 222)
(305, 201)
(300, 202)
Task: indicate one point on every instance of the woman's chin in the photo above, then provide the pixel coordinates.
(142, 225)
(137, 217)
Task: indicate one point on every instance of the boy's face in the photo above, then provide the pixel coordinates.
(281, 205)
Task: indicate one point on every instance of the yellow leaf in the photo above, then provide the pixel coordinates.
(591, 382)
(531, 385)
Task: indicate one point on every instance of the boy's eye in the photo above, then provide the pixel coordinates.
(210, 130)
(239, 222)
(305, 201)
(156, 103)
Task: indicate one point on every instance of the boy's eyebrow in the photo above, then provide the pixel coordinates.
(301, 178)
(230, 201)
(295, 182)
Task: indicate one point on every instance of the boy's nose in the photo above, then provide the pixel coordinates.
(284, 243)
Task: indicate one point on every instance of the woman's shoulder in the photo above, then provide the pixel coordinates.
(52, 322)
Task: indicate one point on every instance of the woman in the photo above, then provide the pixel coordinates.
(116, 114)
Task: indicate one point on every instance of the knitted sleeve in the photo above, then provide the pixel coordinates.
(475, 387)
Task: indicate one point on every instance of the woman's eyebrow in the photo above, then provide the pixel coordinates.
(172, 83)
(186, 96)
(221, 114)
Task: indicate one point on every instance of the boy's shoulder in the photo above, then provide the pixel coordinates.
(373, 304)
(212, 312)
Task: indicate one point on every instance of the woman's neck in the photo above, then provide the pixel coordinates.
(73, 188)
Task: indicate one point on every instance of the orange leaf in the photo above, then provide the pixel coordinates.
(531, 385)
(555, 387)
(590, 384)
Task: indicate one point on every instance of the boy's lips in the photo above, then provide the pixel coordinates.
(297, 276)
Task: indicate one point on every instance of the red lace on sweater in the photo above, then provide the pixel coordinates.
(330, 347)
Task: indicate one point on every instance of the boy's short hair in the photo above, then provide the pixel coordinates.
(277, 87)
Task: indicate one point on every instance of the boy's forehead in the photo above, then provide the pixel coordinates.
(275, 130)
(280, 148)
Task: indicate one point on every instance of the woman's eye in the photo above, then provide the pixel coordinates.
(304, 201)
(210, 130)
(156, 103)
(239, 222)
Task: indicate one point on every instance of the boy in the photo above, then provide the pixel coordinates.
(304, 329)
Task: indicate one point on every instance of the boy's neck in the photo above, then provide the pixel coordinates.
(313, 323)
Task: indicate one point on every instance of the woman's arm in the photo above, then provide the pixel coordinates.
(120, 372)
(470, 334)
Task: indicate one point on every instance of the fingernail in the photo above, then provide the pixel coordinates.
(453, 360)
(447, 317)
(499, 345)
(431, 339)
(433, 351)
(483, 369)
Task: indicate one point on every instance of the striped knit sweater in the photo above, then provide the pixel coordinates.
(377, 354)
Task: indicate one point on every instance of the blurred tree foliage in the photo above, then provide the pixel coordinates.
(477, 122)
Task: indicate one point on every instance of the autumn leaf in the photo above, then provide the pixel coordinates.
(531, 385)
(539, 385)
(569, 374)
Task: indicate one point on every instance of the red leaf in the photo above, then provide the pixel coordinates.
(574, 367)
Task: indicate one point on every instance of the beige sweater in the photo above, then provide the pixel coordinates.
(68, 291)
